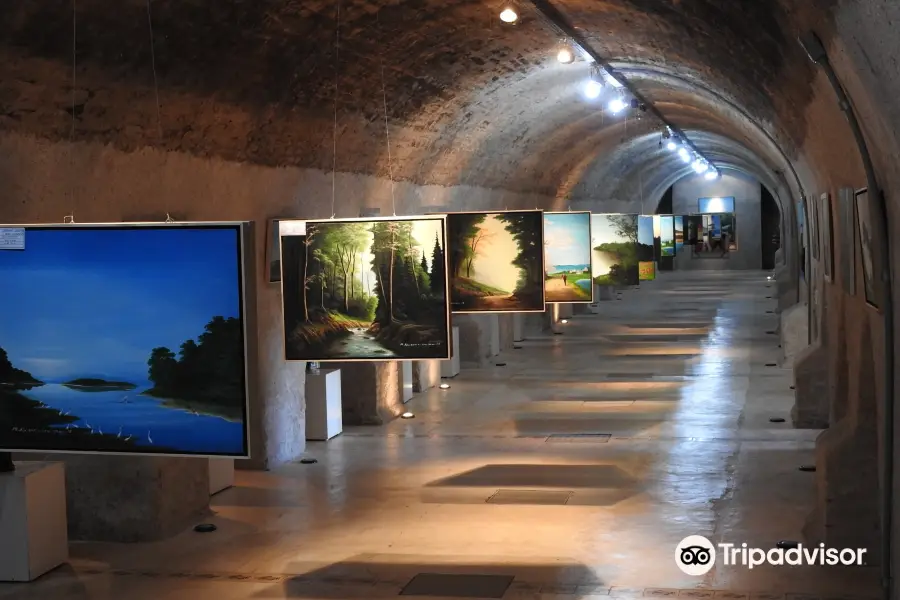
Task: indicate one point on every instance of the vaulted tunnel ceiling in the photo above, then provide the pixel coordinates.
(468, 100)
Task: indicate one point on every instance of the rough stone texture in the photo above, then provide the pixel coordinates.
(124, 499)
(477, 337)
(507, 333)
(794, 332)
(370, 391)
(426, 374)
(747, 199)
(811, 407)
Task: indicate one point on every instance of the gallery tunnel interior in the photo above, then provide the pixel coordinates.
(576, 448)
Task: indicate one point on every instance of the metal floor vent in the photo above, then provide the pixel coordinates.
(596, 438)
(457, 586)
(531, 497)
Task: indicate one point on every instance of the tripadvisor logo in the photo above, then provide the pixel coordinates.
(695, 555)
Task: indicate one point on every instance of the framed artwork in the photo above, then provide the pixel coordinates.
(125, 339)
(567, 257)
(495, 261)
(827, 236)
(667, 235)
(366, 289)
(866, 246)
(615, 247)
(847, 217)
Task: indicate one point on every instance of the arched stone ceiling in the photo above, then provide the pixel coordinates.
(467, 100)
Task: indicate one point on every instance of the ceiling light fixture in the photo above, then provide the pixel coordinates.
(683, 153)
(672, 146)
(710, 175)
(509, 15)
(617, 105)
(592, 89)
(565, 55)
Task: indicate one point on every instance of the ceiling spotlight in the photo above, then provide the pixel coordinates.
(683, 153)
(444, 386)
(592, 89)
(700, 166)
(407, 415)
(509, 15)
(671, 145)
(617, 105)
(565, 56)
(712, 174)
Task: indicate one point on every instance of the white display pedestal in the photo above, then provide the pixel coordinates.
(518, 327)
(450, 368)
(34, 535)
(221, 474)
(324, 418)
(406, 381)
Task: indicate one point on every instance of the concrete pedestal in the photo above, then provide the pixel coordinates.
(518, 327)
(794, 332)
(479, 337)
(33, 534)
(426, 374)
(370, 392)
(134, 499)
(323, 405)
(406, 381)
(604, 293)
(450, 368)
(221, 474)
(565, 311)
(811, 398)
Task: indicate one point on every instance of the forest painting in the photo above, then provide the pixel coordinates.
(567, 257)
(614, 239)
(496, 261)
(366, 289)
(125, 340)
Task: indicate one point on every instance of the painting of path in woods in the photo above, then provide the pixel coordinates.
(366, 290)
(496, 261)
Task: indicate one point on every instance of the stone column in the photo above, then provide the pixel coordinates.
(478, 338)
(426, 374)
(370, 391)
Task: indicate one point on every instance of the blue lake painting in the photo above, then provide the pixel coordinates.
(124, 339)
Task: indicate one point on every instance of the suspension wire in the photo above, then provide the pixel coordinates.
(159, 132)
(71, 218)
(387, 135)
(337, 59)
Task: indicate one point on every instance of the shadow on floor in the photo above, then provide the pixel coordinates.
(387, 576)
(541, 476)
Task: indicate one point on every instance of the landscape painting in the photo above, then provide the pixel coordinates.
(614, 239)
(667, 235)
(679, 233)
(124, 339)
(496, 261)
(645, 239)
(567, 257)
(370, 289)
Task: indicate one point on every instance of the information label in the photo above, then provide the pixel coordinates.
(12, 238)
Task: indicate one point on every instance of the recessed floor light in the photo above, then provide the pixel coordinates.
(444, 386)
(407, 415)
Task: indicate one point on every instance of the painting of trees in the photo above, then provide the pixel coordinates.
(496, 261)
(365, 290)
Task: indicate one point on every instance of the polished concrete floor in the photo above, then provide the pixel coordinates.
(574, 469)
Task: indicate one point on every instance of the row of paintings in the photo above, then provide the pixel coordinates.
(383, 288)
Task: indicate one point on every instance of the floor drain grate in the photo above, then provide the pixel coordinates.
(597, 438)
(532, 497)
